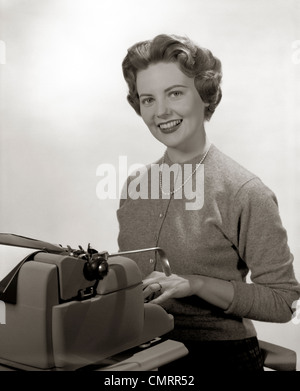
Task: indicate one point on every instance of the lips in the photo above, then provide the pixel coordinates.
(170, 126)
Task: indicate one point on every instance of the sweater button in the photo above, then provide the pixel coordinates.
(151, 260)
(161, 215)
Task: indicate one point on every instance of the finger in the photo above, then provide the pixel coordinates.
(163, 297)
(156, 287)
(147, 292)
(149, 282)
(160, 277)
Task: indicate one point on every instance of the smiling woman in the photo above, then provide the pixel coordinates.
(175, 86)
(172, 109)
(200, 65)
(173, 80)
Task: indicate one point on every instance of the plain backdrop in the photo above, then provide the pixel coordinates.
(63, 109)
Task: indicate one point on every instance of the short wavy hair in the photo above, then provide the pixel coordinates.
(194, 61)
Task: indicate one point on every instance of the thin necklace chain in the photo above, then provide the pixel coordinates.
(187, 179)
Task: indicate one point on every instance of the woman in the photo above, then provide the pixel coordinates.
(175, 86)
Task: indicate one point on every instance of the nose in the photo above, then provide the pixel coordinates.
(162, 108)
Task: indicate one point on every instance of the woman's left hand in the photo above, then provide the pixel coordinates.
(173, 286)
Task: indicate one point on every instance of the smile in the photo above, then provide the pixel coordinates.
(170, 126)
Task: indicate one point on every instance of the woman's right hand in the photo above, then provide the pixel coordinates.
(168, 287)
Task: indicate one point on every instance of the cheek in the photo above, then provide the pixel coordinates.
(194, 110)
(184, 110)
(186, 107)
(147, 116)
(144, 115)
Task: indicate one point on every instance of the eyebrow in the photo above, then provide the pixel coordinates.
(167, 89)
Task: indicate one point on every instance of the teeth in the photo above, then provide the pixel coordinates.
(170, 124)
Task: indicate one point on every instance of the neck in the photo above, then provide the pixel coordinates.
(181, 155)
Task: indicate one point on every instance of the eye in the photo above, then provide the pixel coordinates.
(147, 101)
(176, 94)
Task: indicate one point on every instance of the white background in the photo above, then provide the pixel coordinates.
(63, 109)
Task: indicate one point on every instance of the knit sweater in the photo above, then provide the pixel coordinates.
(236, 234)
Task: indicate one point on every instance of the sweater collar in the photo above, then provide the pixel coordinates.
(193, 161)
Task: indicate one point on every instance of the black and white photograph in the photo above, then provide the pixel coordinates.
(150, 189)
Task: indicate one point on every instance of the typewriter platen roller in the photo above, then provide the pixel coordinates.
(64, 319)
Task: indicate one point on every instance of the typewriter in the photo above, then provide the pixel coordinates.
(69, 310)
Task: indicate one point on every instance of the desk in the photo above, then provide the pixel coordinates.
(136, 359)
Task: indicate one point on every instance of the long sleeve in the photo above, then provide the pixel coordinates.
(261, 240)
(237, 234)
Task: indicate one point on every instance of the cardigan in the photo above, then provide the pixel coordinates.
(236, 235)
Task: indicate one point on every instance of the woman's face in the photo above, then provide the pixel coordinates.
(171, 106)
